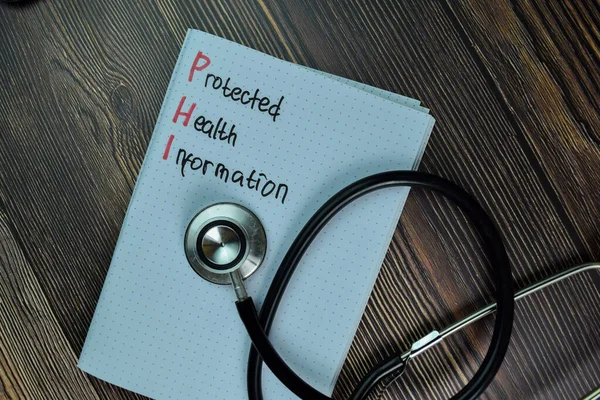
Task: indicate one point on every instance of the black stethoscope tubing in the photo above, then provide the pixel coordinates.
(258, 327)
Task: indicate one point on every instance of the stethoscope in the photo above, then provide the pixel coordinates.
(225, 243)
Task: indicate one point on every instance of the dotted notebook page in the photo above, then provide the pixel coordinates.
(161, 330)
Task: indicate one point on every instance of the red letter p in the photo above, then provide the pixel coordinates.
(196, 67)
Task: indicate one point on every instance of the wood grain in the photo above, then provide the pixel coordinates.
(36, 359)
(514, 89)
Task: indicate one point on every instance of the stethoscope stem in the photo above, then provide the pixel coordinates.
(237, 281)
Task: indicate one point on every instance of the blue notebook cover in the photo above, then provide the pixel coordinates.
(240, 126)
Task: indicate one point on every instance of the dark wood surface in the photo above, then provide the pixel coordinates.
(515, 89)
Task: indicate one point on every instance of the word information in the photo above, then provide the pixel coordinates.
(255, 181)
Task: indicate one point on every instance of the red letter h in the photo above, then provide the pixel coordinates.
(187, 115)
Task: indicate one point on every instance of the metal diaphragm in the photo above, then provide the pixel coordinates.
(224, 238)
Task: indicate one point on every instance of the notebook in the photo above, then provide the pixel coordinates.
(240, 126)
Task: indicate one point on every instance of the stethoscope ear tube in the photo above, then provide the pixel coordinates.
(280, 369)
(258, 327)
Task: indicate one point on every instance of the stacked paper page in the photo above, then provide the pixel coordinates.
(240, 126)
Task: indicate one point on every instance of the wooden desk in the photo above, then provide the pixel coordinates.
(515, 91)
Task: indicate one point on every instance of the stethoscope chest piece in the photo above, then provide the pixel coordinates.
(223, 239)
